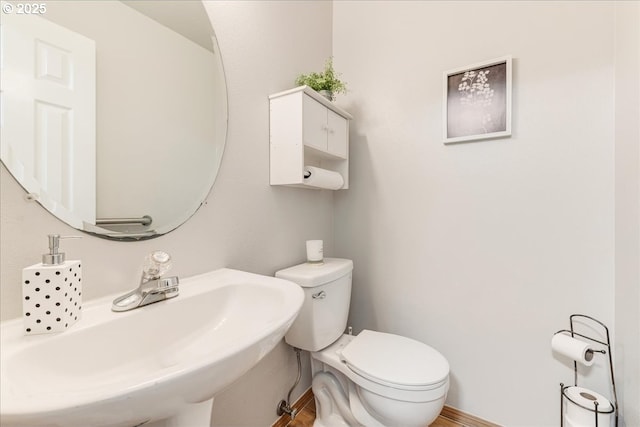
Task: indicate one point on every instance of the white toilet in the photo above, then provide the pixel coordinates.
(372, 379)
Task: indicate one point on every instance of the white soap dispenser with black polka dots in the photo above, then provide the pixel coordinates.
(51, 291)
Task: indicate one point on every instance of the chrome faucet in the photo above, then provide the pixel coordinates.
(153, 287)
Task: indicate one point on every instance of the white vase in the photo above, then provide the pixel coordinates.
(327, 94)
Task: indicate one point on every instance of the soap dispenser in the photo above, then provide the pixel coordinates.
(51, 291)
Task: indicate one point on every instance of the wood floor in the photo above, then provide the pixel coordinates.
(306, 406)
(308, 414)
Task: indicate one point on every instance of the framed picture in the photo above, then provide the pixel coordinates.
(477, 101)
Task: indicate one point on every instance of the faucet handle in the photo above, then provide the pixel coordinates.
(156, 264)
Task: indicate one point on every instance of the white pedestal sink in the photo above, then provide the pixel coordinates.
(157, 365)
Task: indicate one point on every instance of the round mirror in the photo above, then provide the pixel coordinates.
(114, 113)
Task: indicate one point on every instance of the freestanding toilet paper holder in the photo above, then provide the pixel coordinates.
(563, 388)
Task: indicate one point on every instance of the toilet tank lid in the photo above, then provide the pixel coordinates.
(309, 275)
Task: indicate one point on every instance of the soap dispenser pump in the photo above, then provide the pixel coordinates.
(52, 291)
(55, 257)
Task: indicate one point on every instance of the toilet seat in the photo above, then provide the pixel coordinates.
(395, 361)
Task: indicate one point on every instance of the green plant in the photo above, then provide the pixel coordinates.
(326, 80)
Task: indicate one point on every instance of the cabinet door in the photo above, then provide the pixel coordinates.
(314, 129)
(338, 135)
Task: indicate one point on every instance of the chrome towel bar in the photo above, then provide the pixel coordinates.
(145, 220)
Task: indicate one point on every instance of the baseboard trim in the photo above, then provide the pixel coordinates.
(464, 418)
(302, 401)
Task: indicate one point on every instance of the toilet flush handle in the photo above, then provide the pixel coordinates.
(319, 295)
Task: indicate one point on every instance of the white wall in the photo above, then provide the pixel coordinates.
(245, 223)
(483, 249)
(627, 57)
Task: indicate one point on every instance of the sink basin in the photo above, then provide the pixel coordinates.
(148, 364)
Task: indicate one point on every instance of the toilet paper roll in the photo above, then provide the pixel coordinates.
(572, 348)
(322, 178)
(580, 410)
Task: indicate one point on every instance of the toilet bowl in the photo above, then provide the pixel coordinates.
(373, 378)
(388, 380)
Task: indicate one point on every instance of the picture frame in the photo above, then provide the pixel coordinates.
(477, 101)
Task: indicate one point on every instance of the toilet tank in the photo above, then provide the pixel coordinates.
(327, 294)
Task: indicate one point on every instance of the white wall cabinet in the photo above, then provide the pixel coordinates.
(306, 130)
